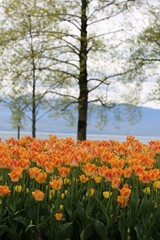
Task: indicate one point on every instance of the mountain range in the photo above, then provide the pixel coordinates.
(146, 124)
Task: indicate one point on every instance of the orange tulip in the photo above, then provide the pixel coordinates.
(24, 163)
(85, 156)
(41, 159)
(116, 183)
(145, 177)
(74, 161)
(90, 170)
(33, 172)
(121, 150)
(58, 216)
(41, 178)
(102, 170)
(57, 162)
(122, 201)
(16, 174)
(154, 174)
(63, 172)
(138, 169)
(56, 184)
(4, 190)
(117, 172)
(49, 167)
(109, 175)
(38, 195)
(116, 163)
(106, 156)
(125, 191)
(130, 138)
(149, 162)
(127, 172)
(5, 162)
(83, 178)
(13, 163)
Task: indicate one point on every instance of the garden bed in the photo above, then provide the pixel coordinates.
(65, 189)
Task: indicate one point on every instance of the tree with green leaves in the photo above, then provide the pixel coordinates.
(145, 52)
(88, 54)
(67, 49)
(23, 47)
(17, 114)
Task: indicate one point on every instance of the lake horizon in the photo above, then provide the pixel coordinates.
(45, 135)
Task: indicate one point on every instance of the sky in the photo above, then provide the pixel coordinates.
(139, 19)
(138, 22)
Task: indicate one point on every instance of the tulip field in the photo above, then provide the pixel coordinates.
(57, 189)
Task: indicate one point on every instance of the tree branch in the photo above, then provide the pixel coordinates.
(110, 76)
(62, 61)
(63, 94)
(19, 110)
(43, 115)
(100, 8)
(60, 71)
(71, 22)
(102, 103)
(104, 34)
(67, 105)
(47, 91)
(148, 59)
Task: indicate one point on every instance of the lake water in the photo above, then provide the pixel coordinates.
(144, 139)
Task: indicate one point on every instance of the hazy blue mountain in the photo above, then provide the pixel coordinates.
(148, 125)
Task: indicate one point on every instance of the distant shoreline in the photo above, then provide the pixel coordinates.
(45, 135)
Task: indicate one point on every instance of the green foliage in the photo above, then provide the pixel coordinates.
(145, 53)
(18, 110)
(53, 49)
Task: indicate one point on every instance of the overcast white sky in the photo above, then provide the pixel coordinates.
(139, 20)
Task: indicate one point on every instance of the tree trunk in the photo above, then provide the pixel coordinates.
(33, 121)
(34, 102)
(34, 105)
(83, 84)
(18, 132)
(33, 84)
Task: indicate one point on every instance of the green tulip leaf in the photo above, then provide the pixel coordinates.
(65, 229)
(5, 229)
(82, 215)
(22, 220)
(30, 227)
(101, 230)
(91, 205)
(87, 232)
